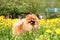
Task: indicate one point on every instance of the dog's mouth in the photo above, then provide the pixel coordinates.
(32, 22)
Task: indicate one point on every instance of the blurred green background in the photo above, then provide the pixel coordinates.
(43, 7)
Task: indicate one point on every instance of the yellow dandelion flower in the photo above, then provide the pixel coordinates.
(57, 31)
(48, 31)
(1, 16)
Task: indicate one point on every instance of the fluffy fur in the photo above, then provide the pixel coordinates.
(25, 25)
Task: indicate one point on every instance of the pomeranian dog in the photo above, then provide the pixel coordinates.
(26, 24)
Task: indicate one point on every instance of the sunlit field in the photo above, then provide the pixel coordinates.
(48, 29)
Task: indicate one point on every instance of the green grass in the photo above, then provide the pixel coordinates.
(6, 34)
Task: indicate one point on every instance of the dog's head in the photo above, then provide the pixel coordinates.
(32, 19)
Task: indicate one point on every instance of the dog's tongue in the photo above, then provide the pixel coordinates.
(31, 22)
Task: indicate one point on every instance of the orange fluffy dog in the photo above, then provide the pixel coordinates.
(26, 24)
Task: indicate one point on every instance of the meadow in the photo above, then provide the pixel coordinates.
(48, 29)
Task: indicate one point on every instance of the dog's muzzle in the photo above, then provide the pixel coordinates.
(32, 22)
